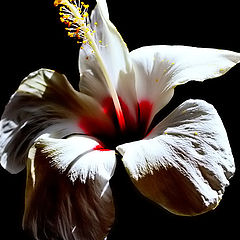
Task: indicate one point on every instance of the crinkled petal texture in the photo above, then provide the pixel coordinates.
(45, 102)
(68, 194)
(159, 69)
(185, 162)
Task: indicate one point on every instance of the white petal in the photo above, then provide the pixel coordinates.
(115, 57)
(68, 194)
(81, 156)
(112, 49)
(185, 163)
(159, 69)
(45, 102)
(104, 8)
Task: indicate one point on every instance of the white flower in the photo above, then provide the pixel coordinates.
(69, 139)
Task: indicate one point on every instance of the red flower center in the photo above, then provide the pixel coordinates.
(137, 124)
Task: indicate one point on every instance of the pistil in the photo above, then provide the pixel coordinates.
(76, 16)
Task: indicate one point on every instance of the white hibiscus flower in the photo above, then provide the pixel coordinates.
(69, 139)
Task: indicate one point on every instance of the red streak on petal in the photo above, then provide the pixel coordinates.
(145, 112)
(100, 148)
(108, 106)
(95, 127)
(125, 118)
(129, 117)
(121, 120)
(109, 109)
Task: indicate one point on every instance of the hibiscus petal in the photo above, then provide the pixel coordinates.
(185, 163)
(159, 69)
(45, 102)
(111, 46)
(115, 57)
(68, 194)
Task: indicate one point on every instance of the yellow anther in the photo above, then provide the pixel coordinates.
(195, 133)
(74, 14)
(222, 70)
(85, 14)
(57, 2)
(70, 34)
(100, 41)
(96, 23)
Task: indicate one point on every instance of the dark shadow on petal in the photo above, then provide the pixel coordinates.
(56, 208)
(76, 159)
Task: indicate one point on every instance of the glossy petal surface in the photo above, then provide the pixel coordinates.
(159, 69)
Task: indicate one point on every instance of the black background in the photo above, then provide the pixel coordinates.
(33, 37)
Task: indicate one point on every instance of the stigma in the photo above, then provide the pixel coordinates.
(74, 14)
